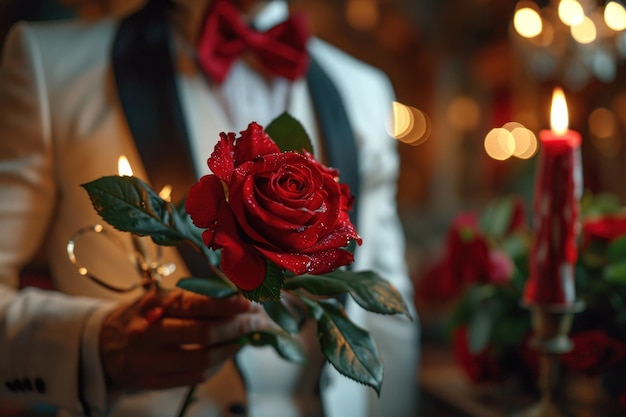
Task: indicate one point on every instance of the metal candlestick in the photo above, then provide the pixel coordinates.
(551, 325)
(150, 269)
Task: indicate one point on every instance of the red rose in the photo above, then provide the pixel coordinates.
(467, 260)
(604, 228)
(500, 267)
(261, 203)
(594, 352)
(467, 251)
(482, 366)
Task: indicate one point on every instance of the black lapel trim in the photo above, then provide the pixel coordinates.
(337, 133)
(145, 76)
(144, 72)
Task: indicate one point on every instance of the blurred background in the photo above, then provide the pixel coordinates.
(474, 82)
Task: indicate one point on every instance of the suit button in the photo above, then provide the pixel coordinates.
(10, 386)
(237, 409)
(40, 386)
(28, 386)
(18, 385)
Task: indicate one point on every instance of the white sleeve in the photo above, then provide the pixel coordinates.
(41, 331)
(40, 343)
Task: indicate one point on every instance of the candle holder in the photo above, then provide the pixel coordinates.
(551, 324)
(150, 268)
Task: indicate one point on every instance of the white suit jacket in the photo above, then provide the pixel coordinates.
(61, 125)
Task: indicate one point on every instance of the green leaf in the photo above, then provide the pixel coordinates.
(194, 234)
(350, 349)
(617, 250)
(289, 134)
(496, 218)
(211, 287)
(367, 288)
(281, 316)
(479, 330)
(286, 346)
(130, 205)
(269, 290)
(599, 204)
(616, 273)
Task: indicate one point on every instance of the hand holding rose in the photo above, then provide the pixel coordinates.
(188, 344)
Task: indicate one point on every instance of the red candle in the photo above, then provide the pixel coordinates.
(558, 189)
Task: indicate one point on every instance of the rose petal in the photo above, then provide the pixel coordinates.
(318, 263)
(204, 201)
(254, 142)
(241, 262)
(221, 162)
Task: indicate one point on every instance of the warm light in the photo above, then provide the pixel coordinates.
(527, 22)
(525, 142)
(571, 12)
(123, 167)
(362, 14)
(602, 123)
(166, 193)
(401, 120)
(585, 32)
(615, 16)
(408, 124)
(559, 118)
(499, 144)
(464, 113)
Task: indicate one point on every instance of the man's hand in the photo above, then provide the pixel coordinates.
(171, 338)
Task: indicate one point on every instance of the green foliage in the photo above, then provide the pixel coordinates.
(496, 218)
(289, 134)
(270, 287)
(130, 205)
(208, 286)
(281, 315)
(367, 288)
(350, 349)
(286, 346)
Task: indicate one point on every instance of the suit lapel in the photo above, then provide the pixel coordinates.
(145, 76)
(336, 131)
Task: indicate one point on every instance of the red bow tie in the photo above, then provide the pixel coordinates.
(281, 50)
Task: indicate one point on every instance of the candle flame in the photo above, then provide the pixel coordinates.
(166, 193)
(123, 167)
(559, 119)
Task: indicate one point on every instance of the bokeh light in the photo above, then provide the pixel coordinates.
(571, 12)
(615, 16)
(527, 22)
(584, 32)
(408, 124)
(525, 143)
(512, 139)
(499, 144)
(602, 123)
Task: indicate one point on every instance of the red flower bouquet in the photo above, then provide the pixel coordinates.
(269, 220)
(483, 271)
